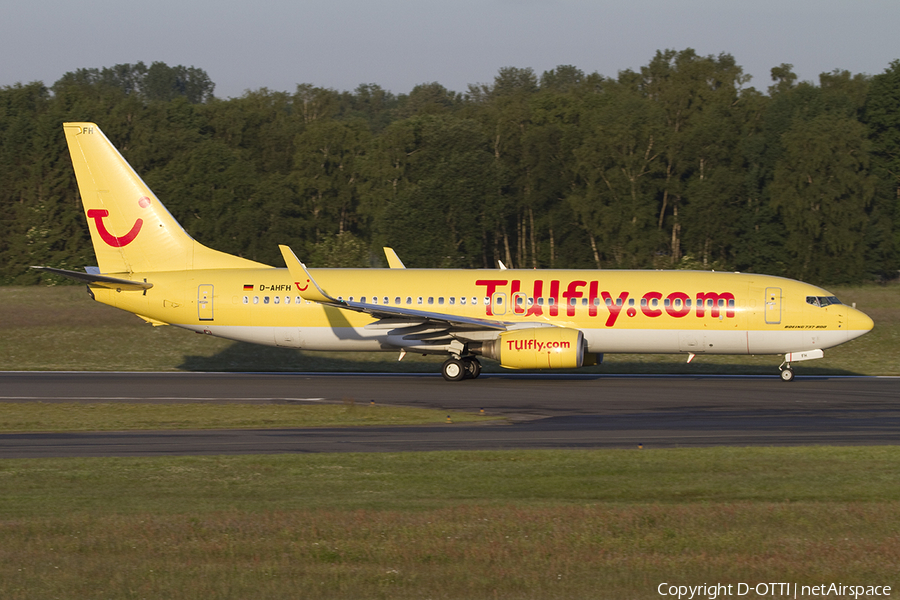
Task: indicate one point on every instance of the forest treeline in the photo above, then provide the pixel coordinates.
(677, 165)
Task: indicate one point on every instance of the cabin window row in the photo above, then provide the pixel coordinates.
(271, 299)
(519, 300)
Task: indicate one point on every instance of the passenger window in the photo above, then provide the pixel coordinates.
(397, 300)
(297, 300)
(386, 300)
(277, 299)
(265, 299)
(409, 299)
(419, 301)
(540, 301)
(287, 299)
(350, 299)
(362, 299)
(246, 299)
(374, 299)
(596, 301)
(452, 299)
(551, 301)
(431, 300)
(440, 299)
(462, 299)
(255, 299)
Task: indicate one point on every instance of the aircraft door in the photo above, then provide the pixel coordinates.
(205, 302)
(773, 305)
(498, 304)
(519, 303)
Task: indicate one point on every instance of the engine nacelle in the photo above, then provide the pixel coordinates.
(537, 348)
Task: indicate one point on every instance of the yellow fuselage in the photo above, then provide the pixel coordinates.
(618, 311)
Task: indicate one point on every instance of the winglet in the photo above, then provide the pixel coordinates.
(394, 261)
(306, 285)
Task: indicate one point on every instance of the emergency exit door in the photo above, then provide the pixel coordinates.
(773, 305)
(205, 302)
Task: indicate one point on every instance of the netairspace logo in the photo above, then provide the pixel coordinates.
(772, 590)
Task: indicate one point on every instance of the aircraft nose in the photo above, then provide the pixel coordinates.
(859, 323)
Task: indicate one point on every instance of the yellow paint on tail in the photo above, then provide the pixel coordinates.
(130, 228)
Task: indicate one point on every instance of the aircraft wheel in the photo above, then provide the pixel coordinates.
(787, 374)
(473, 367)
(453, 369)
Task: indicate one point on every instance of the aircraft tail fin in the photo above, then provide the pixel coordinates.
(130, 228)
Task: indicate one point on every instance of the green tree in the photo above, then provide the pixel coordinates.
(686, 87)
(327, 162)
(882, 118)
(615, 200)
(822, 189)
(439, 176)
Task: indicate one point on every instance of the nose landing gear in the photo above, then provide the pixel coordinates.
(787, 373)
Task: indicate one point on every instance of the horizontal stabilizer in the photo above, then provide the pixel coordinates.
(103, 281)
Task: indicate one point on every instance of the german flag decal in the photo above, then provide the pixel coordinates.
(248, 287)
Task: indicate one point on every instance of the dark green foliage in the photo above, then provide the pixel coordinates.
(676, 165)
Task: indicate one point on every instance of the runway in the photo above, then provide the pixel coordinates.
(540, 411)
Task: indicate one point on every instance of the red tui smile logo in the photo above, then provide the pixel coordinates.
(110, 239)
(98, 214)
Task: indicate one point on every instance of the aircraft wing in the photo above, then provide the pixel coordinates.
(396, 314)
(97, 280)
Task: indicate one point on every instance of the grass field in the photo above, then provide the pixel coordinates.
(61, 329)
(112, 416)
(536, 524)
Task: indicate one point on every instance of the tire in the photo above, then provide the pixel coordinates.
(787, 374)
(473, 367)
(453, 369)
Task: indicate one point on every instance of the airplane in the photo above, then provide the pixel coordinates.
(524, 319)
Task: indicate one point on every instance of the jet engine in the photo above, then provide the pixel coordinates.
(537, 348)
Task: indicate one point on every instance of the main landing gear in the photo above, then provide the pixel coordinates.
(456, 369)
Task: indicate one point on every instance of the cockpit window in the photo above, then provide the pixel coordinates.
(822, 301)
